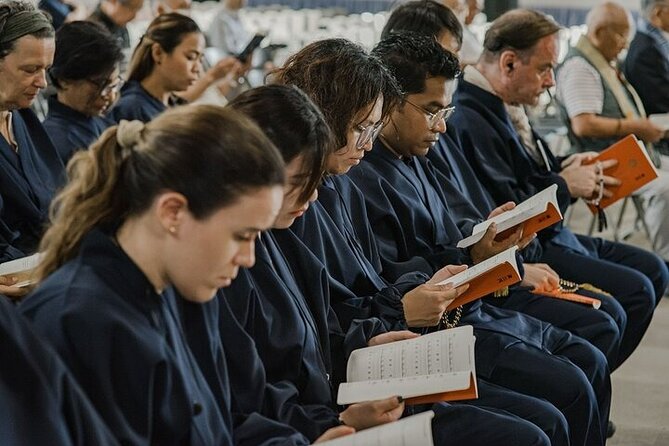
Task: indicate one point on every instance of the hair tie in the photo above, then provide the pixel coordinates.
(129, 133)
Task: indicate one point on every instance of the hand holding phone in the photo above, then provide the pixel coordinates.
(252, 45)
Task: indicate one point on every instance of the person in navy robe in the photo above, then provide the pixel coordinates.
(41, 401)
(469, 202)
(86, 75)
(284, 304)
(319, 69)
(166, 60)
(513, 163)
(399, 186)
(30, 168)
(173, 205)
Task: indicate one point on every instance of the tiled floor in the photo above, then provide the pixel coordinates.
(640, 405)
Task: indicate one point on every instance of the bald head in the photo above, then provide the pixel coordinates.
(608, 28)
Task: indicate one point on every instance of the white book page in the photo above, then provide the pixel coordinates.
(20, 265)
(529, 208)
(411, 431)
(481, 268)
(434, 363)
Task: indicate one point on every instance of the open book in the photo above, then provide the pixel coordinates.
(495, 273)
(22, 269)
(411, 431)
(439, 366)
(634, 169)
(535, 213)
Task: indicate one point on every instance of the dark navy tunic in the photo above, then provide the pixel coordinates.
(71, 130)
(135, 103)
(29, 178)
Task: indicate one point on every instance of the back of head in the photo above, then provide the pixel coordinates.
(518, 30)
(424, 17)
(293, 123)
(84, 50)
(19, 19)
(342, 79)
(605, 15)
(413, 58)
(166, 30)
(212, 156)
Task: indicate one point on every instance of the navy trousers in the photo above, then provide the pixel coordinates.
(635, 277)
(602, 328)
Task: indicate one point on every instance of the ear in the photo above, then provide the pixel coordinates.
(157, 53)
(171, 209)
(507, 62)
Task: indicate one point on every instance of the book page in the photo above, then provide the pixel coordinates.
(529, 208)
(415, 430)
(23, 264)
(434, 363)
(481, 268)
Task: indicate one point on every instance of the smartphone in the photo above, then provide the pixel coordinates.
(252, 45)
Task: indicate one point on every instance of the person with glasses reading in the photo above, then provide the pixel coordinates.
(85, 72)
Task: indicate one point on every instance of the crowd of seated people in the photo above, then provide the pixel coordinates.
(205, 272)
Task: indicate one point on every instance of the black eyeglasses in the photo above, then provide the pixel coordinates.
(107, 86)
(434, 118)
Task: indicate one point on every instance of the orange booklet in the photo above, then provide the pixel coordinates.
(572, 297)
(439, 366)
(634, 169)
(493, 274)
(534, 214)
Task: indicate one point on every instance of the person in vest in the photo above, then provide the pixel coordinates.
(602, 107)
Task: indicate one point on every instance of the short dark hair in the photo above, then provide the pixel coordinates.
(10, 8)
(84, 50)
(519, 30)
(294, 124)
(424, 17)
(342, 79)
(413, 58)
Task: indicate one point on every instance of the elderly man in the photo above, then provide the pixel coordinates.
(602, 106)
(513, 163)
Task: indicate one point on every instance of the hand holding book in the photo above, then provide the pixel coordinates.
(410, 431)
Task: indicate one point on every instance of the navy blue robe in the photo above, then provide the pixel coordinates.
(71, 130)
(135, 103)
(464, 192)
(28, 179)
(635, 277)
(410, 218)
(123, 343)
(41, 401)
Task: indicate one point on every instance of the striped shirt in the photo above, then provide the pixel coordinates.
(579, 88)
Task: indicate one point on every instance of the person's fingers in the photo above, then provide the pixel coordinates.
(335, 432)
(607, 164)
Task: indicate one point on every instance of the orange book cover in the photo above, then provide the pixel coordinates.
(547, 218)
(572, 297)
(470, 393)
(634, 169)
(503, 275)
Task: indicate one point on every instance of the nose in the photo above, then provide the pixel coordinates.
(40, 79)
(550, 79)
(440, 126)
(197, 67)
(246, 256)
(314, 196)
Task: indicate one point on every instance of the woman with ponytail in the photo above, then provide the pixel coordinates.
(167, 60)
(173, 205)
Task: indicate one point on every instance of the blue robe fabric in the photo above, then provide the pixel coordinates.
(7, 238)
(124, 345)
(601, 328)
(635, 277)
(330, 234)
(41, 401)
(71, 130)
(400, 191)
(135, 103)
(28, 180)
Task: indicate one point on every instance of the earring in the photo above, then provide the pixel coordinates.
(173, 229)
